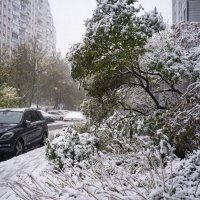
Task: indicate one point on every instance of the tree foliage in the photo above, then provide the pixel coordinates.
(8, 97)
(56, 87)
(41, 79)
(24, 69)
(110, 55)
(8, 94)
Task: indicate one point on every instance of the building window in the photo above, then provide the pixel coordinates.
(14, 35)
(185, 15)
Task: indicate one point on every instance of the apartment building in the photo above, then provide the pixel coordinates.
(25, 21)
(185, 10)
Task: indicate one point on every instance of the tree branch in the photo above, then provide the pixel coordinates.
(158, 74)
(161, 91)
(130, 109)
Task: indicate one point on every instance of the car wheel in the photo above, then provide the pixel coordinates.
(44, 137)
(19, 148)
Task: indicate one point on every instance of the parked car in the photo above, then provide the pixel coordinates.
(58, 114)
(75, 116)
(48, 117)
(64, 111)
(21, 129)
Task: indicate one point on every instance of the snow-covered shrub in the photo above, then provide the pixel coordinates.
(133, 169)
(182, 129)
(48, 186)
(179, 126)
(180, 179)
(115, 133)
(131, 176)
(69, 148)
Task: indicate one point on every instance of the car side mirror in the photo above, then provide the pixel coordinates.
(27, 123)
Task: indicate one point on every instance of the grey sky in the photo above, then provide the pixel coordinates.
(69, 16)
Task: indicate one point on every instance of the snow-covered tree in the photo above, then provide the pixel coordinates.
(110, 54)
(127, 62)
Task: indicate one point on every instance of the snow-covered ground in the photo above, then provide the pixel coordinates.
(32, 163)
(56, 123)
(32, 169)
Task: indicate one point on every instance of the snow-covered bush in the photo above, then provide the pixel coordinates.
(131, 176)
(179, 179)
(179, 126)
(115, 134)
(69, 148)
(132, 168)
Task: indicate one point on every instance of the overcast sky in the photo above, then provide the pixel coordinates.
(69, 16)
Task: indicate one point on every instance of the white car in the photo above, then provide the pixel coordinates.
(75, 116)
(58, 115)
(48, 117)
(64, 111)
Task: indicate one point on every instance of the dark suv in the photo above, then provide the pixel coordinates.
(21, 129)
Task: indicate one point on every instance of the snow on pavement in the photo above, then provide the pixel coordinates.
(32, 162)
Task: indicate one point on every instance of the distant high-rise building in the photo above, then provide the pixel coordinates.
(185, 10)
(25, 21)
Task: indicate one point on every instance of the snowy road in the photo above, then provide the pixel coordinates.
(32, 162)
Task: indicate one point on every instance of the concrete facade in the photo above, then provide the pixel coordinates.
(185, 11)
(25, 21)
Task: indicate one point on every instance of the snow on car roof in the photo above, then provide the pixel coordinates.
(16, 109)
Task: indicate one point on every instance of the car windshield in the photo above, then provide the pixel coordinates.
(10, 117)
(54, 112)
